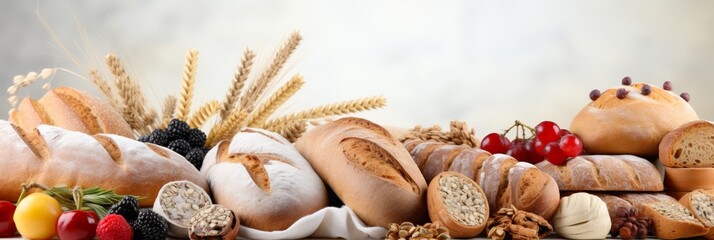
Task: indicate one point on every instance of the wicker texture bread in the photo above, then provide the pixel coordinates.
(53, 156)
(605, 173)
(633, 125)
(368, 169)
(263, 179)
(701, 204)
(72, 110)
(689, 146)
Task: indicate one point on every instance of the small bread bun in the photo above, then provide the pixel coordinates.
(582, 216)
(634, 124)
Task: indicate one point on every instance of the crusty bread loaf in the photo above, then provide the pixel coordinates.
(605, 173)
(633, 125)
(435, 157)
(701, 204)
(72, 110)
(674, 221)
(688, 179)
(506, 182)
(54, 156)
(263, 179)
(368, 169)
(615, 201)
(689, 146)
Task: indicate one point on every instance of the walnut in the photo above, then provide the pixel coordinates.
(408, 231)
(516, 224)
(628, 224)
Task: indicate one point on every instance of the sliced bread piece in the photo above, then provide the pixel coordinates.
(674, 221)
(701, 204)
(689, 146)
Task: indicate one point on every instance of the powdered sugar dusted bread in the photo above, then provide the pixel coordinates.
(263, 179)
(689, 146)
(369, 170)
(53, 156)
(633, 125)
(72, 110)
(605, 173)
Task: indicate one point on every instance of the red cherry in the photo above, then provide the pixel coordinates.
(547, 132)
(518, 141)
(495, 143)
(539, 147)
(563, 132)
(518, 152)
(554, 154)
(7, 225)
(533, 156)
(571, 145)
(77, 225)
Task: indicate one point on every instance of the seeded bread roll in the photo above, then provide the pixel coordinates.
(435, 157)
(673, 221)
(263, 179)
(53, 156)
(457, 203)
(605, 173)
(72, 110)
(701, 204)
(689, 146)
(369, 170)
(634, 125)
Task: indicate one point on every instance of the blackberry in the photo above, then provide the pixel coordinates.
(196, 137)
(159, 137)
(127, 208)
(178, 129)
(180, 146)
(195, 157)
(144, 138)
(150, 226)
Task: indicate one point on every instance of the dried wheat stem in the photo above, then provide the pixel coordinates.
(239, 78)
(187, 85)
(292, 130)
(260, 115)
(127, 92)
(103, 87)
(168, 111)
(341, 108)
(259, 85)
(226, 128)
(203, 113)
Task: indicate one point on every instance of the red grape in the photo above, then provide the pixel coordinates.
(533, 156)
(547, 132)
(518, 141)
(518, 152)
(554, 154)
(571, 145)
(495, 143)
(563, 132)
(539, 147)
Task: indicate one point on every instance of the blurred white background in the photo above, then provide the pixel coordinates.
(487, 63)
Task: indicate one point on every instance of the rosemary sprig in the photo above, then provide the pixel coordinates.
(94, 199)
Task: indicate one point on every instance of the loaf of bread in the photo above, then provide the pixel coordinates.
(53, 156)
(605, 173)
(263, 179)
(582, 216)
(633, 125)
(506, 182)
(688, 179)
(368, 169)
(701, 204)
(435, 157)
(689, 146)
(72, 110)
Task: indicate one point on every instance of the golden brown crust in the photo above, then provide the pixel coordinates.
(605, 173)
(688, 179)
(667, 228)
(469, 163)
(676, 149)
(634, 125)
(438, 212)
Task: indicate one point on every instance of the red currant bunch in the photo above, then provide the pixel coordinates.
(546, 141)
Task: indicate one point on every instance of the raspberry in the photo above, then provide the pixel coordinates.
(114, 227)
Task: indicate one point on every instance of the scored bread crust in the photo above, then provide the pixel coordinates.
(53, 156)
(605, 173)
(633, 125)
(72, 110)
(694, 138)
(369, 170)
(263, 179)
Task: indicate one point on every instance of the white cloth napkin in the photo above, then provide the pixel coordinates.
(330, 222)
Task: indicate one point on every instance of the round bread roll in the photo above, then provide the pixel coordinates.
(633, 125)
(582, 216)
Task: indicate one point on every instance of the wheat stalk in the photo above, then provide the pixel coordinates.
(226, 128)
(259, 85)
(279, 97)
(127, 91)
(168, 111)
(292, 130)
(239, 78)
(103, 87)
(203, 113)
(187, 84)
(341, 108)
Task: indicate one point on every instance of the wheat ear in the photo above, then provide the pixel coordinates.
(203, 113)
(168, 112)
(227, 128)
(239, 78)
(259, 85)
(103, 87)
(292, 130)
(341, 108)
(127, 92)
(187, 83)
(260, 115)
